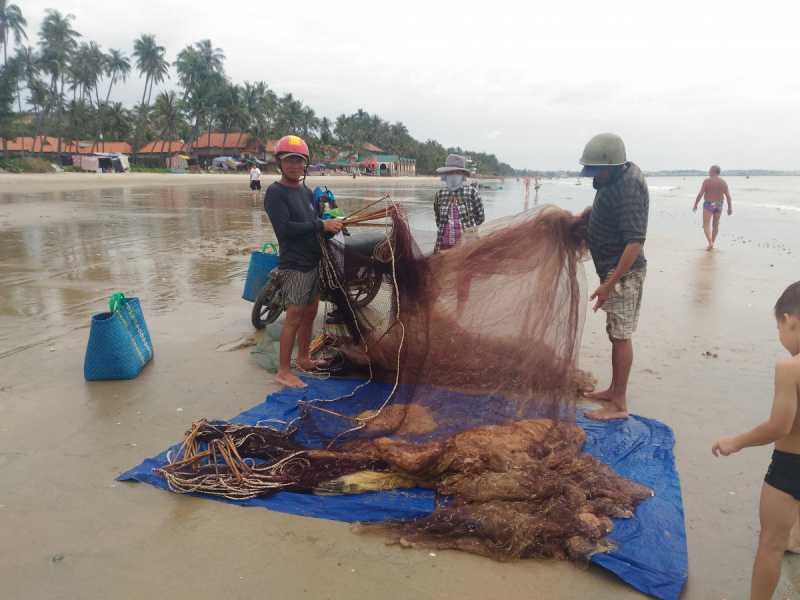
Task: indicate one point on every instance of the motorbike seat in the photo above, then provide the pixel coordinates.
(364, 242)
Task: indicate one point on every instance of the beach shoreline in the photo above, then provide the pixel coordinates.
(70, 530)
(52, 182)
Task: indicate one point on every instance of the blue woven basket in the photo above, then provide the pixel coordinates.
(261, 264)
(119, 343)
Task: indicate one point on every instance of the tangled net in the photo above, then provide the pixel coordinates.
(478, 346)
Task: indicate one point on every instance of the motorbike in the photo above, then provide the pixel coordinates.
(362, 285)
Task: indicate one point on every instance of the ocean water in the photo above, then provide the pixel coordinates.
(766, 210)
(65, 252)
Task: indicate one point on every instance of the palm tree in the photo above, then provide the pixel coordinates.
(290, 114)
(87, 66)
(199, 105)
(167, 115)
(198, 62)
(29, 68)
(11, 22)
(310, 120)
(151, 63)
(118, 122)
(9, 75)
(325, 130)
(57, 41)
(117, 66)
(229, 110)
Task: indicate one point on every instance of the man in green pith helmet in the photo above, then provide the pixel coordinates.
(616, 236)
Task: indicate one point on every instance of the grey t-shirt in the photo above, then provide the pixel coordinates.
(618, 218)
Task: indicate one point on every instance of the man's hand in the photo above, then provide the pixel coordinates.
(332, 225)
(725, 446)
(695, 207)
(602, 293)
(730, 211)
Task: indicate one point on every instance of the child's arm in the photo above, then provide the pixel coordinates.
(784, 408)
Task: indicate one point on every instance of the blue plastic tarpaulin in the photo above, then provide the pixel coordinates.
(652, 554)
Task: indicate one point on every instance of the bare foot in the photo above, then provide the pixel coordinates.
(606, 413)
(710, 247)
(598, 395)
(308, 364)
(290, 381)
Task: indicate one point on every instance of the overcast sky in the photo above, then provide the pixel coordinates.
(686, 84)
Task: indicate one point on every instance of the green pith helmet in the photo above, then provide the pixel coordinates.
(605, 149)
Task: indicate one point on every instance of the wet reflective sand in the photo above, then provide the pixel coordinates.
(68, 530)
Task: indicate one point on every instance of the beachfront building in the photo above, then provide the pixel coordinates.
(156, 154)
(86, 148)
(30, 147)
(211, 145)
(392, 165)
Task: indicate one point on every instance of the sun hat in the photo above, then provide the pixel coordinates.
(453, 163)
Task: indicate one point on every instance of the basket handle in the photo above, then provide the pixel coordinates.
(117, 301)
(274, 249)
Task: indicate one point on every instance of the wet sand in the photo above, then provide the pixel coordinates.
(69, 530)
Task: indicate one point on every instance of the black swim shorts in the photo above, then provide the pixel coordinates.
(784, 473)
(255, 184)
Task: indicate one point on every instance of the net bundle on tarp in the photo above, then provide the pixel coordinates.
(479, 347)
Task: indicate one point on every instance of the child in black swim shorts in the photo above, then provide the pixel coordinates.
(780, 494)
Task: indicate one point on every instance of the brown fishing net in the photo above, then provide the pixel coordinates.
(470, 361)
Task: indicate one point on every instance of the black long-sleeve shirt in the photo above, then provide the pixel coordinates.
(291, 211)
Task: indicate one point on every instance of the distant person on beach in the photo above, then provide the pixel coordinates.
(780, 493)
(255, 181)
(714, 189)
(458, 208)
(616, 236)
(290, 206)
(527, 184)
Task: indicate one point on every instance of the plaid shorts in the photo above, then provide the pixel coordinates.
(299, 288)
(622, 306)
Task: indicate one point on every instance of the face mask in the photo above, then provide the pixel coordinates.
(454, 181)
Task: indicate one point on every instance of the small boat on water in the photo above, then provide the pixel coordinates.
(578, 182)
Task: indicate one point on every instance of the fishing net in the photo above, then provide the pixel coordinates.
(479, 346)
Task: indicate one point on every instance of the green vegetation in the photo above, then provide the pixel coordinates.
(135, 169)
(26, 164)
(64, 80)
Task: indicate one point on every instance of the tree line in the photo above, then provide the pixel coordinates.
(65, 85)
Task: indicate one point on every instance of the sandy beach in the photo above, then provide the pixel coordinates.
(57, 182)
(181, 244)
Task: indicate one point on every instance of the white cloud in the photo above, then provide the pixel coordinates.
(685, 83)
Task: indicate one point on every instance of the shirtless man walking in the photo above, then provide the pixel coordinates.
(714, 188)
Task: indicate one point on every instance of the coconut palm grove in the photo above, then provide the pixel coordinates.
(57, 83)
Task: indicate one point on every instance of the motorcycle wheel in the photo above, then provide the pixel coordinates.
(365, 287)
(266, 309)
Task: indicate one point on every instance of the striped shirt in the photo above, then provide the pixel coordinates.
(469, 207)
(618, 218)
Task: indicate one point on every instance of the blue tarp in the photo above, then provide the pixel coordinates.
(652, 552)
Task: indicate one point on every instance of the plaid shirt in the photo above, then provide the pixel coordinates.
(468, 203)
